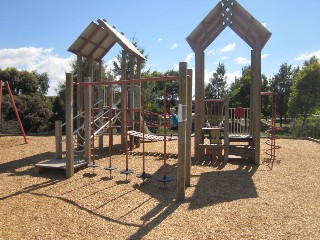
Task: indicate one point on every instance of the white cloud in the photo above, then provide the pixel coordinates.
(174, 46)
(189, 57)
(264, 24)
(265, 55)
(176, 67)
(231, 76)
(307, 56)
(109, 64)
(159, 40)
(39, 59)
(207, 75)
(242, 60)
(228, 48)
(224, 58)
(210, 52)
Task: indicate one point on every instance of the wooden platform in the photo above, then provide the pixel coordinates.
(151, 137)
(242, 151)
(240, 138)
(58, 164)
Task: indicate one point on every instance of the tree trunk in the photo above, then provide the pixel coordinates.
(304, 122)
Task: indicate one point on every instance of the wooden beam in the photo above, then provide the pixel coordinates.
(100, 104)
(182, 116)
(189, 128)
(199, 97)
(123, 99)
(58, 138)
(257, 100)
(87, 113)
(69, 126)
(79, 98)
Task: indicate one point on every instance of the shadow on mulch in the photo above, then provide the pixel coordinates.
(165, 193)
(224, 186)
(13, 167)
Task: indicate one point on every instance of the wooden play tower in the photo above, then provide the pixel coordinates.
(229, 13)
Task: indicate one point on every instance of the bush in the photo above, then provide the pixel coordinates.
(312, 128)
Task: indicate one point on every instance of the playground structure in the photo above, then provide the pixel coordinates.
(229, 125)
(229, 13)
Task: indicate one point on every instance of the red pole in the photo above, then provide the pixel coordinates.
(16, 112)
(165, 131)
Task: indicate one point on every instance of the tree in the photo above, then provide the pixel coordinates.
(29, 90)
(305, 98)
(24, 82)
(281, 84)
(217, 86)
(240, 89)
(117, 64)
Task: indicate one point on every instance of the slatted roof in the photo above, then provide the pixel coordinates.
(228, 13)
(98, 39)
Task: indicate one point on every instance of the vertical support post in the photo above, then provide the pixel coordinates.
(138, 101)
(123, 99)
(199, 98)
(256, 103)
(79, 99)
(87, 121)
(100, 104)
(189, 127)
(69, 126)
(58, 138)
(182, 116)
(226, 129)
(253, 76)
(131, 103)
(110, 96)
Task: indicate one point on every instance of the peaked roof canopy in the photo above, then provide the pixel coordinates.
(228, 13)
(97, 40)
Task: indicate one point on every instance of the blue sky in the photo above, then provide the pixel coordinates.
(36, 34)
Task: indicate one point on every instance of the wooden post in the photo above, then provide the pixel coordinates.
(138, 100)
(189, 127)
(256, 107)
(100, 105)
(131, 101)
(87, 121)
(110, 96)
(58, 137)
(182, 117)
(199, 98)
(251, 116)
(123, 99)
(79, 99)
(69, 126)
(226, 129)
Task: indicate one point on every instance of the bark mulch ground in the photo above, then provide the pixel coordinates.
(235, 200)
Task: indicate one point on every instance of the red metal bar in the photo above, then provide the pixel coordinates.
(165, 132)
(16, 112)
(143, 146)
(121, 82)
(110, 124)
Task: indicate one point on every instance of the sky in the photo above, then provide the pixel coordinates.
(36, 34)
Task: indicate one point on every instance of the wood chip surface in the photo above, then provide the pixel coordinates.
(235, 200)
